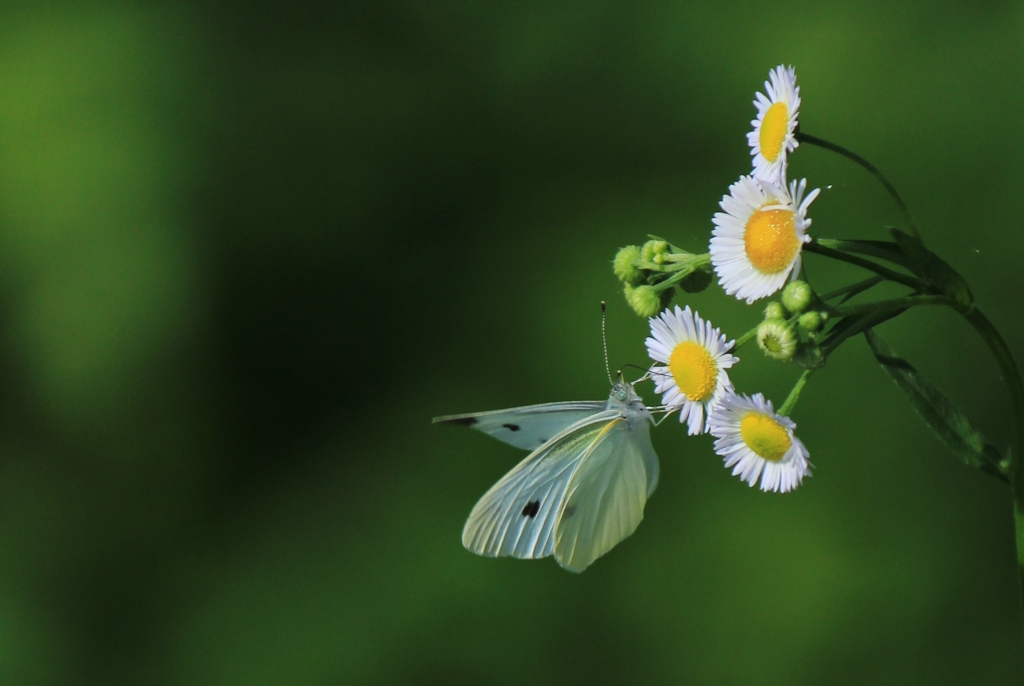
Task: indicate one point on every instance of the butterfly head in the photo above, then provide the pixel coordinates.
(624, 399)
(622, 394)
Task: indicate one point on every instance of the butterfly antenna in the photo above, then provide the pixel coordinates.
(604, 343)
(646, 373)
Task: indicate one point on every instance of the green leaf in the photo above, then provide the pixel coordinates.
(936, 272)
(697, 281)
(848, 327)
(883, 250)
(852, 290)
(939, 412)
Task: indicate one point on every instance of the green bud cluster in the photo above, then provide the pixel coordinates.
(775, 310)
(651, 273)
(654, 251)
(776, 339)
(644, 300)
(796, 296)
(791, 326)
(811, 321)
(624, 265)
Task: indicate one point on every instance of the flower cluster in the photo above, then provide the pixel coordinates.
(692, 358)
(755, 250)
(755, 246)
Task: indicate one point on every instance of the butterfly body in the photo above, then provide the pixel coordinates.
(579, 492)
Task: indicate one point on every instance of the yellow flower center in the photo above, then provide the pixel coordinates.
(764, 436)
(774, 127)
(694, 370)
(770, 241)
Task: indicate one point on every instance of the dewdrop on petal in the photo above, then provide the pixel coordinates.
(695, 356)
(757, 442)
(756, 242)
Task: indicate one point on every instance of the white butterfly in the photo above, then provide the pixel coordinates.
(581, 490)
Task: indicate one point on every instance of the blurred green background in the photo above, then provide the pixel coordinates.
(247, 253)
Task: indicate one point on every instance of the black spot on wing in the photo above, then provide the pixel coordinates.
(569, 511)
(511, 427)
(462, 421)
(531, 509)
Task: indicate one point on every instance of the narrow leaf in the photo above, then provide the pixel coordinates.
(883, 250)
(935, 271)
(938, 411)
(853, 290)
(848, 327)
(697, 281)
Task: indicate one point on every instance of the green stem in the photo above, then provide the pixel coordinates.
(794, 394)
(1011, 376)
(879, 250)
(853, 288)
(856, 326)
(744, 339)
(817, 248)
(893, 304)
(681, 269)
(872, 169)
(697, 260)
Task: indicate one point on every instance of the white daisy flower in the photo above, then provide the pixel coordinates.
(774, 136)
(696, 355)
(757, 442)
(755, 245)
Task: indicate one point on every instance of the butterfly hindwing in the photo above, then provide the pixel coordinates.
(650, 458)
(527, 427)
(517, 516)
(605, 498)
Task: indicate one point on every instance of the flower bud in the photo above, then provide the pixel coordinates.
(774, 310)
(776, 339)
(653, 248)
(644, 300)
(624, 265)
(809, 356)
(797, 295)
(810, 321)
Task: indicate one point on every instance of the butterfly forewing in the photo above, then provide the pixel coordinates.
(605, 497)
(527, 427)
(517, 515)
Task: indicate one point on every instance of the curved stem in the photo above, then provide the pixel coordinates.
(893, 304)
(857, 326)
(794, 394)
(872, 169)
(819, 249)
(853, 289)
(1011, 376)
(679, 269)
(879, 250)
(745, 338)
